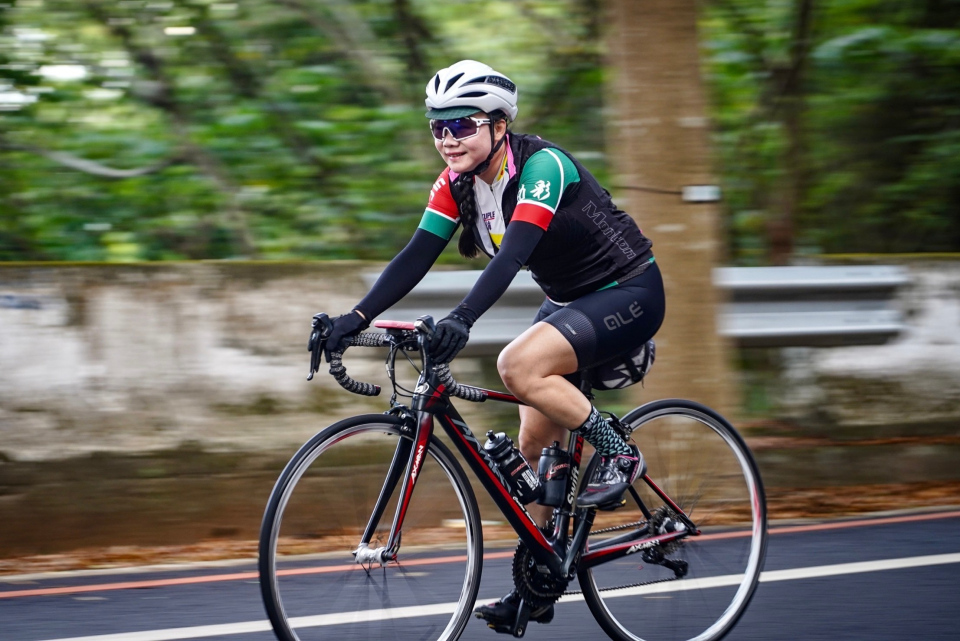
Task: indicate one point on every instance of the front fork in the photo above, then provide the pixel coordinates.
(407, 462)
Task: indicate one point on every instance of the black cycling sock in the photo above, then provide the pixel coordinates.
(602, 436)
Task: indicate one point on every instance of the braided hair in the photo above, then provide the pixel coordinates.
(463, 194)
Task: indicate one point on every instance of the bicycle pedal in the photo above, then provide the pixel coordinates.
(501, 628)
(610, 507)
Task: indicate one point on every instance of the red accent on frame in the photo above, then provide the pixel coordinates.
(419, 453)
(662, 494)
(529, 525)
(578, 449)
(502, 396)
(593, 558)
(389, 324)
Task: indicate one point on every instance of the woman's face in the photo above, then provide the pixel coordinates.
(464, 155)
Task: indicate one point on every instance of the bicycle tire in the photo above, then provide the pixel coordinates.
(725, 561)
(344, 585)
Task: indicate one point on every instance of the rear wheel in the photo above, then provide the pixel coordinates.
(312, 585)
(699, 586)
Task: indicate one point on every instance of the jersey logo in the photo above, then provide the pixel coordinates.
(541, 191)
(436, 187)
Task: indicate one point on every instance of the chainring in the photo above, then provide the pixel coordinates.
(537, 588)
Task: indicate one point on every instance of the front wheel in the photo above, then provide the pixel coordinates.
(697, 587)
(325, 500)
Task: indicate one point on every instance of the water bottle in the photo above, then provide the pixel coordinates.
(522, 481)
(554, 469)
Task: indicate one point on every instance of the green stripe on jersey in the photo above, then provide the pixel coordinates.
(437, 224)
(545, 176)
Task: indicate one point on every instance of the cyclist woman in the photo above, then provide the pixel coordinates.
(525, 202)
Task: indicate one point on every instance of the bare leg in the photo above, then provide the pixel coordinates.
(537, 432)
(532, 367)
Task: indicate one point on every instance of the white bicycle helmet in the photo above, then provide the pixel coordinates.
(469, 86)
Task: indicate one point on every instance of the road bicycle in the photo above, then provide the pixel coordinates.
(373, 530)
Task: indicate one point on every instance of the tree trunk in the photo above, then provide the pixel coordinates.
(659, 139)
(789, 94)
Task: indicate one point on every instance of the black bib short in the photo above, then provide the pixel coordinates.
(611, 322)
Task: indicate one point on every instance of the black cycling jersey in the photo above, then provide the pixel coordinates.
(575, 240)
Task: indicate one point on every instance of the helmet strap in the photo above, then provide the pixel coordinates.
(494, 148)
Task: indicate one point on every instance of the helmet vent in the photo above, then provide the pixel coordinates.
(498, 81)
(452, 81)
(436, 83)
(503, 83)
(474, 94)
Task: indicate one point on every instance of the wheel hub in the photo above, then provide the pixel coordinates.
(665, 521)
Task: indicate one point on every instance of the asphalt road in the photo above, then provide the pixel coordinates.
(884, 578)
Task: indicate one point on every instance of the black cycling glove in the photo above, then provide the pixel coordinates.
(344, 326)
(449, 337)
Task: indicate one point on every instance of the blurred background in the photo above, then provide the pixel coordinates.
(184, 183)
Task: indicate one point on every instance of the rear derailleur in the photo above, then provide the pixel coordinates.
(655, 556)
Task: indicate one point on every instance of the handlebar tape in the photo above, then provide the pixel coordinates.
(456, 389)
(339, 372)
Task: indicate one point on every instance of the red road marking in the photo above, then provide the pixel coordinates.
(238, 576)
(839, 525)
(241, 576)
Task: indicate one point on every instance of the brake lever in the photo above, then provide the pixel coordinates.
(321, 328)
(425, 325)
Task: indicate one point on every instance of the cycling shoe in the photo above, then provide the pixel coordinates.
(614, 475)
(501, 615)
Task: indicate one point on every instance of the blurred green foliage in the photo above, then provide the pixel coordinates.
(278, 129)
(293, 129)
(876, 93)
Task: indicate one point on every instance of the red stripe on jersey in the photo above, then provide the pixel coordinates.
(536, 214)
(441, 199)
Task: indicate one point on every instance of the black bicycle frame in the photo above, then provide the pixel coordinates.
(429, 402)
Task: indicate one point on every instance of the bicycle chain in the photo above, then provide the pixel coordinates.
(629, 585)
(618, 527)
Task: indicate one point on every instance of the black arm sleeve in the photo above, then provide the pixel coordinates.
(517, 246)
(402, 274)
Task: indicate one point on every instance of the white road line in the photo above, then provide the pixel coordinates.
(204, 631)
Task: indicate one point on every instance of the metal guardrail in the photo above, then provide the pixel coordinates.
(811, 306)
(767, 306)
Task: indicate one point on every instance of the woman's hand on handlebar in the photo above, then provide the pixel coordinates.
(449, 337)
(344, 326)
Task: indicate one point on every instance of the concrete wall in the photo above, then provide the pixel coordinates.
(912, 380)
(146, 357)
(133, 358)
